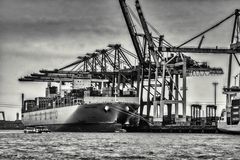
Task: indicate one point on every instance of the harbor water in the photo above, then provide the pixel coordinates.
(152, 146)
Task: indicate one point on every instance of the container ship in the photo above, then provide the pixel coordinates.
(89, 106)
(230, 117)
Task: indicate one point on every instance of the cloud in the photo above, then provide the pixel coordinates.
(38, 29)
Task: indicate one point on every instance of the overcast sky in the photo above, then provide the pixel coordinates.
(36, 34)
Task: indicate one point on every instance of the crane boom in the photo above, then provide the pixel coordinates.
(199, 50)
(147, 33)
(131, 30)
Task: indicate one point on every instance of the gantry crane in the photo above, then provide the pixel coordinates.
(113, 63)
(156, 74)
(232, 51)
(170, 66)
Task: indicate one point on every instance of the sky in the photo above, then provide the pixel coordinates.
(48, 34)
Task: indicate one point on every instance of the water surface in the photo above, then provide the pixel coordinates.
(152, 146)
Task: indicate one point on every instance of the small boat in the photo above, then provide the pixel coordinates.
(226, 128)
(29, 130)
(38, 129)
(42, 129)
(120, 131)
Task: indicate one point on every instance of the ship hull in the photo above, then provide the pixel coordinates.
(231, 129)
(103, 117)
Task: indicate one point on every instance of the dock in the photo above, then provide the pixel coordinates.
(6, 124)
(173, 129)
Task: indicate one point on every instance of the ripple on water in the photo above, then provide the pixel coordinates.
(16, 145)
